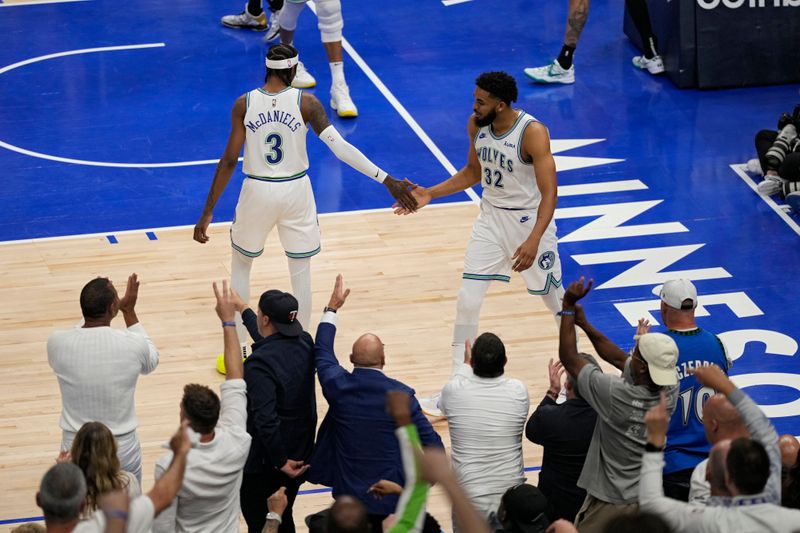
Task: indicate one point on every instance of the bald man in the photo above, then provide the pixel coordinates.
(727, 416)
(356, 443)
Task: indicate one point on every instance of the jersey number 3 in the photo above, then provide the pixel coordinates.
(274, 153)
(498, 178)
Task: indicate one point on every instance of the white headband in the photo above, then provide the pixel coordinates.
(280, 64)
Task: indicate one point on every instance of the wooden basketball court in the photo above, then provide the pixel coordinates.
(404, 273)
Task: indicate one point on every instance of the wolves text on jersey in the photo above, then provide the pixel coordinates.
(493, 155)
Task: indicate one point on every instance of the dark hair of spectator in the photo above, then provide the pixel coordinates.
(488, 356)
(201, 407)
(94, 451)
(748, 465)
(96, 297)
(281, 51)
(638, 523)
(791, 488)
(498, 84)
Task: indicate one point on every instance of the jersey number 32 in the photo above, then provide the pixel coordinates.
(490, 178)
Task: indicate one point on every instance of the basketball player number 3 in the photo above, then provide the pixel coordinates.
(498, 177)
(273, 143)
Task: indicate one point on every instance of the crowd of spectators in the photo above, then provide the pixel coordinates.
(663, 442)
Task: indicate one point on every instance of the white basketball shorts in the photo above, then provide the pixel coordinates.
(496, 235)
(289, 205)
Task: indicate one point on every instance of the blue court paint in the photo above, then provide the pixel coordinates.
(695, 217)
(151, 235)
(112, 239)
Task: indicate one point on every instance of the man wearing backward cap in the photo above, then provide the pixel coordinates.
(610, 474)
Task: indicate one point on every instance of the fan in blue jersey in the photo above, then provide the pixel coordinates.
(687, 445)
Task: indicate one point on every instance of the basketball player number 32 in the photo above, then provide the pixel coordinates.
(274, 154)
(496, 177)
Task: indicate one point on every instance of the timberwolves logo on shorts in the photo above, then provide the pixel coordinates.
(546, 260)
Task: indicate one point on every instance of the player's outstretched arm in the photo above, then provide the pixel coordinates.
(314, 114)
(468, 176)
(225, 168)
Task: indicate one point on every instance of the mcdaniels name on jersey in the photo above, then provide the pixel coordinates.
(281, 117)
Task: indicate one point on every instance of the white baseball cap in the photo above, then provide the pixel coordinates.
(661, 354)
(675, 291)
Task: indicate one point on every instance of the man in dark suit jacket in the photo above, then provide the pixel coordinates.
(356, 443)
(564, 431)
(281, 407)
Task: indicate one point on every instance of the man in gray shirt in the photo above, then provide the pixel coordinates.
(611, 472)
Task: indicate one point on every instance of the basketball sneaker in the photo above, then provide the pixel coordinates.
(341, 101)
(772, 184)
(274, 30)
(302, 78)
(653, 66)
(753, 166)
(246, 350)
(552, 73)
(430, 405)
(245, 20)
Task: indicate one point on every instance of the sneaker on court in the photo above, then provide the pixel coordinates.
(246, 350)
(246, 21)
(430, 405)
(302, 79)
(653, 66)
(552, 73)
(771, 185)
(341, 101)
(274, 30)
(754, 167)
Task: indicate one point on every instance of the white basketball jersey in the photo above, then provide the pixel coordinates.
(275, 136)
(508, 181)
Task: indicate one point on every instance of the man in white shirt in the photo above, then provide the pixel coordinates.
(97, 368)
(209, 497)
(62, 497)
(742, 466)
(486, 412)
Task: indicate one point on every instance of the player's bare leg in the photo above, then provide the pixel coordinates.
(561, 70)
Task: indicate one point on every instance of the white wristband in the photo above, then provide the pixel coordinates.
(349, 154)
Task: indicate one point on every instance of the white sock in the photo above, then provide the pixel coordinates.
(300, 273)
(337, 73)
(468, 311)
(240, 282)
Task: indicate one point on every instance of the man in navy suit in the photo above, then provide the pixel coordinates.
(356, 443)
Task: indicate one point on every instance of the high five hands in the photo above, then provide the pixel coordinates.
(420, 195)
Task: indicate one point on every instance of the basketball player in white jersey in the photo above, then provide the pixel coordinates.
(510, 156)
(271, 124)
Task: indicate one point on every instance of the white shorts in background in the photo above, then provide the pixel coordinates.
(289, 205)
(496, 235)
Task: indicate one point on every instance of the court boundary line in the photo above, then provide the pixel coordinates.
(9, 521)
(400, 108)
(739, 169)
(104, 234)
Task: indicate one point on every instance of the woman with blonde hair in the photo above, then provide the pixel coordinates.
(94, 451)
